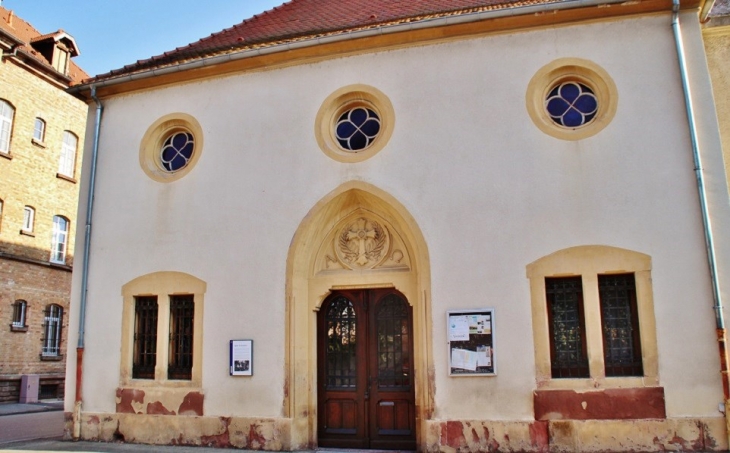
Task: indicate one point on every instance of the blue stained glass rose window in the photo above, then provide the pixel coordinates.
(357, 128)
(177, 151)
(571, 104)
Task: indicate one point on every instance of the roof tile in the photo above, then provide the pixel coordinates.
(26, 33)
(299, 19)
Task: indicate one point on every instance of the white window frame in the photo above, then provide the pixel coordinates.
(28, 219)
(59, 241)
(39, 133)
(52, 331)
(7, 112)
(67, 163)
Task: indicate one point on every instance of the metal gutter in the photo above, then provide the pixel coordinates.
(706, 220)
(377, 31)
(85, 270)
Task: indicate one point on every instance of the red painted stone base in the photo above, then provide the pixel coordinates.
(609, 404)
(127, 399)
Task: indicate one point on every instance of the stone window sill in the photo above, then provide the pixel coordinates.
(18, 329)
(8, 156)
(51, 358)
(27, 233)
(66, 178)
(38, 143)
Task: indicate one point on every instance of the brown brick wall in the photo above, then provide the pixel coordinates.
(29, 177)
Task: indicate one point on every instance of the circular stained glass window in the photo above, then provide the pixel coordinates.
(357, 128)
(177, 151)
(571, 104)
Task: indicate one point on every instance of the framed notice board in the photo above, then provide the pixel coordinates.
(240, 357)
(471, 342)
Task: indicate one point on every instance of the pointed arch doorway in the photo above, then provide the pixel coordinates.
(366, 394)
(360, 243)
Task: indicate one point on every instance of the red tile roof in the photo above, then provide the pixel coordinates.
(25, 33)
(301, 19)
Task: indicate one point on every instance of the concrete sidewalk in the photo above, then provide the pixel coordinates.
(27, 408)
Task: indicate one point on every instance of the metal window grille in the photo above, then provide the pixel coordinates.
(52, 331)
(182, 312)
(568, 357)
(145, 337)
(341, 352)
(394, 360)
(620, 325)
(19, 313)
(48, 391)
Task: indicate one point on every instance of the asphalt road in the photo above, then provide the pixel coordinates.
(38, 425)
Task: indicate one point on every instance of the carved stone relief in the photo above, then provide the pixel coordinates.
(362, 242)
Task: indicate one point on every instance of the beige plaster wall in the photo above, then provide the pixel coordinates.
(490, 192)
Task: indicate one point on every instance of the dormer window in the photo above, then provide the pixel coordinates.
(56, 48)
(60, 60)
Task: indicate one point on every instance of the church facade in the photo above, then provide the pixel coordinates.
(431, 227)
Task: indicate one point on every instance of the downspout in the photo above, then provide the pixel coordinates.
(85, 271)
(709, 240)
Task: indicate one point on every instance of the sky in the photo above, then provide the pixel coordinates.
(114, 33)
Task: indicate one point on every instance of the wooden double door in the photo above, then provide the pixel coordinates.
(366, 395)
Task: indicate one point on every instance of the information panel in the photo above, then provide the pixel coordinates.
(240, 353)
(471, 342)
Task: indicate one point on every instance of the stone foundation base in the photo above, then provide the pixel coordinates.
(222, 432)
(558, 436)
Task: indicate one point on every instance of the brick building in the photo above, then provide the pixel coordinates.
(41, 135)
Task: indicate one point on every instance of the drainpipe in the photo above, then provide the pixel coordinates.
(85, 271)
(709, 241)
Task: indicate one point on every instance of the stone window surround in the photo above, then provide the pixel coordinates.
(163, 285)
(154, 138)
(588, 262)
(348, 98)
(578, 70)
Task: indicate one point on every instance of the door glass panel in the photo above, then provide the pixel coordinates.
(393, 338)
(341, 357)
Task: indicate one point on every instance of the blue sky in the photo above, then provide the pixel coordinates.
(113, 33)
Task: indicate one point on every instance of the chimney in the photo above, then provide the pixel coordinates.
(10, 17)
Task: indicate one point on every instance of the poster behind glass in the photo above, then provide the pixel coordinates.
(241, 357)
(470, 335)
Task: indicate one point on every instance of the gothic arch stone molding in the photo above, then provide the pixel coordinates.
(357, 236)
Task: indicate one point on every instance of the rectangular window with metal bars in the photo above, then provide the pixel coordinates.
(51, 340)
(182, 311)
(20, 310)
(620, 325)
(568, 353)
(145, 337)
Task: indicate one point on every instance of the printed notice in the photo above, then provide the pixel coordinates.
(459, 328)
(241, 358)
(463, 358)
(480, 324)
(484, 356)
